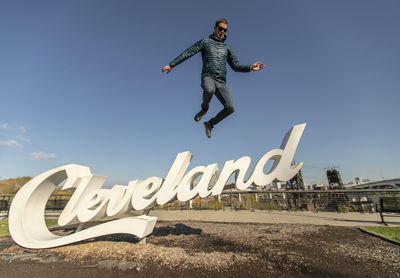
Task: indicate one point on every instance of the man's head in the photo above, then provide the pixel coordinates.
(220, 28)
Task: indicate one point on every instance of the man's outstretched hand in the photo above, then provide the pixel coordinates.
(166, 68)
(257, 66)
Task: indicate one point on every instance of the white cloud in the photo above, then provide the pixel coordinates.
(8, 130)
(43, 156)
(10, 143)
(21, 128)
(7, 127)
(22, 138)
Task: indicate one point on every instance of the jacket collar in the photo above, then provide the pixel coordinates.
(215, 38)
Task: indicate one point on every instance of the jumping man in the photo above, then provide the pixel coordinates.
(215, 53)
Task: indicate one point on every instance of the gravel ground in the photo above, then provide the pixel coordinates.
(204, 249)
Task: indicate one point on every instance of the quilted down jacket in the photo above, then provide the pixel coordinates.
(215, 53)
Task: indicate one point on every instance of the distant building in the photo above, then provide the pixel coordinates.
(382, 184)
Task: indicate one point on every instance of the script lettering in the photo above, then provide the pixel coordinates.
(90, 201)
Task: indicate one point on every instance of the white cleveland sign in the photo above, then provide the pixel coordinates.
(91, 202)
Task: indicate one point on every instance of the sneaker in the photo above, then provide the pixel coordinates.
(208, 129)
(198, 116)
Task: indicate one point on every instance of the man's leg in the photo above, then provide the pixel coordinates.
(224, 95)
(209, 89)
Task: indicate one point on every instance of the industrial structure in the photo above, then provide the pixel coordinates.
(334, 179)
(296, 183)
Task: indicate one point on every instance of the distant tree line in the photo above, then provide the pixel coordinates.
(11, 186)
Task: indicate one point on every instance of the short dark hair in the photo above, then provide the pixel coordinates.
(221, 20)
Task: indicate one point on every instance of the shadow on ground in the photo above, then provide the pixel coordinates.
(204, 249)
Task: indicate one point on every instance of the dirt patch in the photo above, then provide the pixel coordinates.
(202, 249)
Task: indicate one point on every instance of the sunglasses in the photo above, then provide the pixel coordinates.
(222, 29)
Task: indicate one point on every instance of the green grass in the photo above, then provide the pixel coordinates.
(392, 233)
(4, 226)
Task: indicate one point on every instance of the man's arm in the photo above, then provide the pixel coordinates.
(189, 52)
(234, 63)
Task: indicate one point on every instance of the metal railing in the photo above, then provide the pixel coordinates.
(311, 200)
(5, 201)
(55, 202)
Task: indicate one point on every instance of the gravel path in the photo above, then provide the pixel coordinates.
(204, 249)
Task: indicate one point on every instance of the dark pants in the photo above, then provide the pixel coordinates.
(210, 87)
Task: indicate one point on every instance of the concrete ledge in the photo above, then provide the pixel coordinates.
(244, 216)
(273, 217)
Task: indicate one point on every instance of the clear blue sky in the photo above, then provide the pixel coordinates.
(81, 82)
